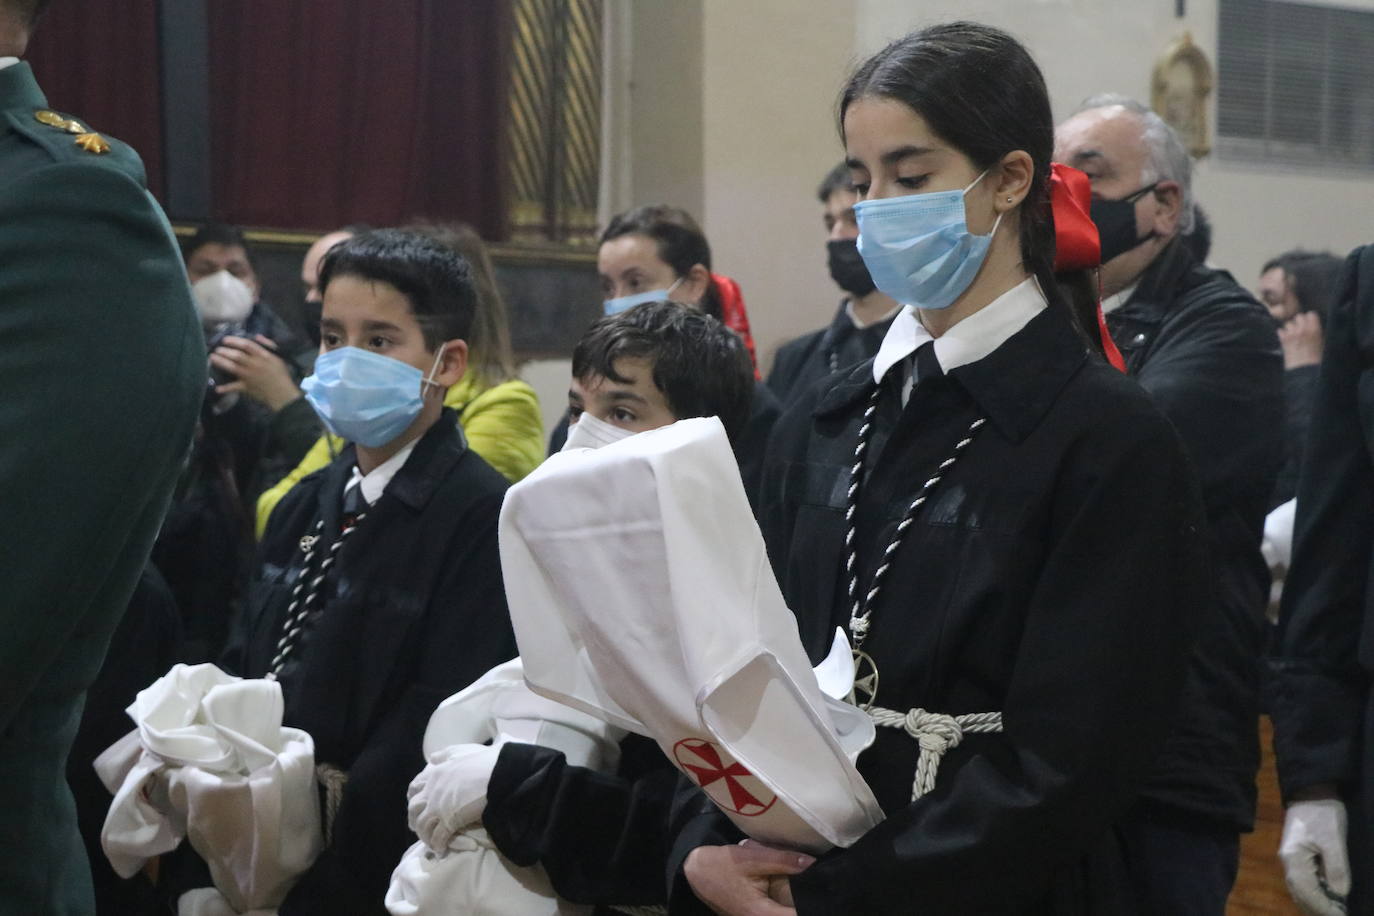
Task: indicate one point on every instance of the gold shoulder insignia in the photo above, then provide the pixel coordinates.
(56, 121)
(93, 143)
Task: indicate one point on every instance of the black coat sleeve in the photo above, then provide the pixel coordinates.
(467, 632)
(1092, 692)
(601, 838)
(1219, 380)
(1317, 688)
(1299, 389)
(753, 441)
(787, 363)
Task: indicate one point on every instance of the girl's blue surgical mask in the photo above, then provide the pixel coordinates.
(622, 303)
(366, 397)
(918, 248)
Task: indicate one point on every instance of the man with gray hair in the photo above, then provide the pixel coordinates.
(1208, 354)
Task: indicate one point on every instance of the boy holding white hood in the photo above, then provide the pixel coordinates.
(634, 371)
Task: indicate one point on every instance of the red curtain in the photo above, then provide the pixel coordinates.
(98, 60)
(325, 113)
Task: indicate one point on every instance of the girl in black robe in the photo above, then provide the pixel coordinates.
(1005, 525)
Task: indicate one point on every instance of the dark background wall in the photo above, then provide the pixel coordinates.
(551, 296)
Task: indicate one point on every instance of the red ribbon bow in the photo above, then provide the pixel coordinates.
(1077, 246)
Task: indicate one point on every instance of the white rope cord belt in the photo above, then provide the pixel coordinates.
(936, 734)
(333, 780)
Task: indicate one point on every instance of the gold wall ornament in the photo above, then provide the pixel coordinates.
(554, 133)
(1179, 89)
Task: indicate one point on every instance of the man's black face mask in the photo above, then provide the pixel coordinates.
(1115, 220)
(847, 267)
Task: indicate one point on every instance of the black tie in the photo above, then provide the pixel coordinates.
(353, 506)
(926, 365)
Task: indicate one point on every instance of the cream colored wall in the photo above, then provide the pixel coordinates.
(772, 71)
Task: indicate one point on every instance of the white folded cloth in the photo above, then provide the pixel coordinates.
(210, 760)
(455, 868)
(472, 879)
(208, 901)
(641, 593)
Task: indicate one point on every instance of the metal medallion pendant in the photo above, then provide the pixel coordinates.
(865, 690)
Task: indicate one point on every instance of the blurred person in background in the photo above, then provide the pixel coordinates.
(865, 312)
(1207, 354)
(1321, 668)
(658, 252)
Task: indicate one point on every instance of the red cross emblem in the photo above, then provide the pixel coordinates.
(723, 778)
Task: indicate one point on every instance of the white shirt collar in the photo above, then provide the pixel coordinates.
(1117, 300)
(8, 62)
(860, 325)
(968, 341)
(375, 481)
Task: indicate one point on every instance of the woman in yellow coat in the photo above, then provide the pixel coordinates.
(499, 413)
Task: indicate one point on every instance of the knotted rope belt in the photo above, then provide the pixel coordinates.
(332, 780)
(936, 734)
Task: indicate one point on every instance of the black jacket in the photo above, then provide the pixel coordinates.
(1209, 356)
(1051, 577)
(415, 613)
(1320, 675)
(803, 362)
(602, 838)
(1299, 394)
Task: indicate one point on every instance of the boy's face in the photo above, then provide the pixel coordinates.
(373, 315)
(636, 405)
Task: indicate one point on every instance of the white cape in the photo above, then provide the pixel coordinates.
(641, 593)
(210, 760)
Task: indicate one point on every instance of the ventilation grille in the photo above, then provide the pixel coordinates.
(1295, 85)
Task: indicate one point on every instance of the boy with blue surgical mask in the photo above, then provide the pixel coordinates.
(378, 584)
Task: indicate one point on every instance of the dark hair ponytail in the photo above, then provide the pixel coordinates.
(681, 243)
(979, 89)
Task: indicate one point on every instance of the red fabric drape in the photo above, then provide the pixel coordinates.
(377, 111)
(98, 60)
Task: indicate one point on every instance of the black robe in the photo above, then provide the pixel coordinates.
(1054, 577)
(416, 613)
(1323, 661)
(803, 362)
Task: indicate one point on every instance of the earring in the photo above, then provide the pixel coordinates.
(1008, 200)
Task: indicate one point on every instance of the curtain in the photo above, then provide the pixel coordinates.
(98, 60)
(325, 113)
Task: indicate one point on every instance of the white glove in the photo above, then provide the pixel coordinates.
(207, 901)
(1314, 858)
(451, 793)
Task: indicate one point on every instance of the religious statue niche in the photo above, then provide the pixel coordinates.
(1179, 90)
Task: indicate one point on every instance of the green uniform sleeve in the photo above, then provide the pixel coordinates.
(103, 369)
